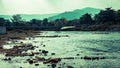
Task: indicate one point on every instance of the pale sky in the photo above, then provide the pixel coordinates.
(52, 6)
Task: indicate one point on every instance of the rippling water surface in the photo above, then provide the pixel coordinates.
(78, 44)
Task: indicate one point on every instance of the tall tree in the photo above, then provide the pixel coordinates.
(35, 22)
(118, 16)
(17, 20)
(45, 22)
(2, 21)
(58, 23)
(105, 16)
(64, 21)
(86, 19)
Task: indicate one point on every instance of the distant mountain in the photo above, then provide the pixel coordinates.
(69, 15)
(76, 14)
(31, 16)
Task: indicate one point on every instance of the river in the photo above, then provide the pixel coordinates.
(76, 44)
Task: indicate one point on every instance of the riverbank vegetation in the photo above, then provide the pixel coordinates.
(108, 19)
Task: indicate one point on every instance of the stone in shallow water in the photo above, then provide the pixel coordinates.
(31, 61)
(52, 53)
(70, 67)
(78, 54)
(52, 60)
(36, 64)
(53, 65)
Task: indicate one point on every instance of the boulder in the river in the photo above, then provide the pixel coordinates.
(44, 52)
(31, 61)
(44, 45)
(78, 54)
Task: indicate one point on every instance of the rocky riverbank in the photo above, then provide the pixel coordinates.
(16, 35)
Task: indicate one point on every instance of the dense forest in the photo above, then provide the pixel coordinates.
(108, 19)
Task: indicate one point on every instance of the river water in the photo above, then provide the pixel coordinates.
(77, 44)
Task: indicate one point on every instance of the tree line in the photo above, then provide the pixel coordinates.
(105, 20)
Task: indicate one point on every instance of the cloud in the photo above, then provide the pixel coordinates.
(52, 6)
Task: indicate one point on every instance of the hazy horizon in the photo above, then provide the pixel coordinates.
(10, 7)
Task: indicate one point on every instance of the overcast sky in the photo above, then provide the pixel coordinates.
(52, 6)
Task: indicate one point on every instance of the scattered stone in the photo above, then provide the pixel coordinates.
(78, 54)
(5, 59)
(44, 45)
(32, 54)
(92, 58)
(52, 53)
(28, 59)
(44, 52)
(18, 50)
(1, 47)
(52, 60)
(70, 67)
(54, 36)
(36, 53)
(31, 61)
(15, 38)
(40, 50)
(69, 58)
(36, 64)
(9, 58)
(48, 65)
(53, 65)
(17, 54)
(102, 57)
(21, 42)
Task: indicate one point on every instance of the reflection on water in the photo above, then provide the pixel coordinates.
(77, 44)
